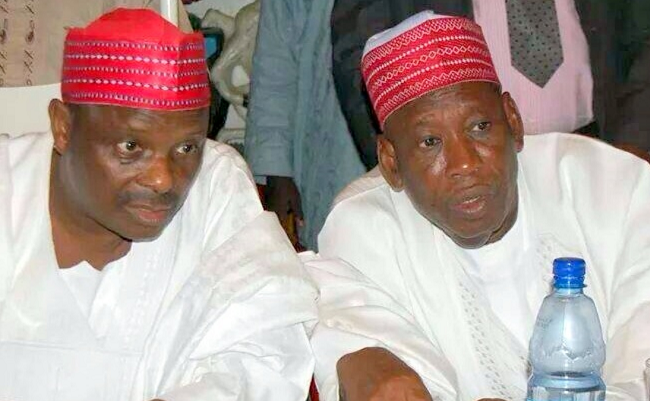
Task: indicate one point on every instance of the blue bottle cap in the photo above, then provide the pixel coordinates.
(569, 272)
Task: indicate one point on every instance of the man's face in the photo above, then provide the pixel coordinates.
(128, 169)
(454, 153)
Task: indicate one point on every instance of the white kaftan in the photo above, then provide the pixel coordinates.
(415, 292)
(214, 309)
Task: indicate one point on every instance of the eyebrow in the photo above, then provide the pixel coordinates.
(196, 135)
(423, 118)
(139, 122)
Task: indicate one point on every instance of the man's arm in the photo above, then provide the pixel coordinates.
(629, 314)
(368, 346)
(269, 125)
(242, 334)
(234, 329)
(364, 304)
(274, 365)
(274, 91)
(388, 377)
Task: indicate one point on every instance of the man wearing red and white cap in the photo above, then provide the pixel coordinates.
(448, 245)
(136, 262)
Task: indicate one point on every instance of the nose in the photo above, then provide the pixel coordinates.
(158, 177)
(462, 158)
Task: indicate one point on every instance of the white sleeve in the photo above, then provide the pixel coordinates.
(354, 314)
(273, 365)
(236, 330)
(274, 90)
(628, 332)
(230, 196)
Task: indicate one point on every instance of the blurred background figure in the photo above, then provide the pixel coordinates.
(297, 141)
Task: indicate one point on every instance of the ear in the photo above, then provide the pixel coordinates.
(60, 124)
(514, 120)
(388, 163)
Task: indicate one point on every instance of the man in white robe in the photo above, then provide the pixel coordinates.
(447, 248)
(136, 261)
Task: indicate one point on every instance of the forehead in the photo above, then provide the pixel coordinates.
(449, 102)
(107, 119)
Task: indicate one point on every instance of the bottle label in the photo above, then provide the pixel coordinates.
(550, 394)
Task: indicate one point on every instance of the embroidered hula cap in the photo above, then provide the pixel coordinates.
(423, 53)
(135, 58)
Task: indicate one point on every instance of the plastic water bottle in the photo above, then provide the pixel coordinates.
(567, 350)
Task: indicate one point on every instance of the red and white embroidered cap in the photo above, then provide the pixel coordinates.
(423, 53)
(135, 58)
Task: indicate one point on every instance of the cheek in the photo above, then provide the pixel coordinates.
(499, 160)
(426, 187)
(511, 175)
(185, 173)
(106, 177)
(503, 173)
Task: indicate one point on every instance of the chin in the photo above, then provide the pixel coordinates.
(149, 234)
(139, 233)
(471, 237)
(470, 243)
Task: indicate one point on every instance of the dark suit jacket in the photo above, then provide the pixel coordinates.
(618, 33)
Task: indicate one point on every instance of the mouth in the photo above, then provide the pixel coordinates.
(150, 215)
(472, 205)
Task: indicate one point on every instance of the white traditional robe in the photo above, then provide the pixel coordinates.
(214, 309)
(407, 287)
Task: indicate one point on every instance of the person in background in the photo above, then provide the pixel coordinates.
(571, 65)
(297, 141)
(445, 251)
(136, 262)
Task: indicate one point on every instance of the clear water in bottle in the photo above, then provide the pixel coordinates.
(567, 350)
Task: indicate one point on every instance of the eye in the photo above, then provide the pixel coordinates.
(128, 147)
(429, 142)
(482, 126)
(187, 148)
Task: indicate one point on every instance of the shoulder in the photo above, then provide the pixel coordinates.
(365, 207)
(568, 173)
(219, 158)
(33, 144)
(223, 171)
(567, 143)
(224, 197)
(369, 195)
(365, 188)
(575, 156)
(223, 182)
(365, 230)
(27, 154)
